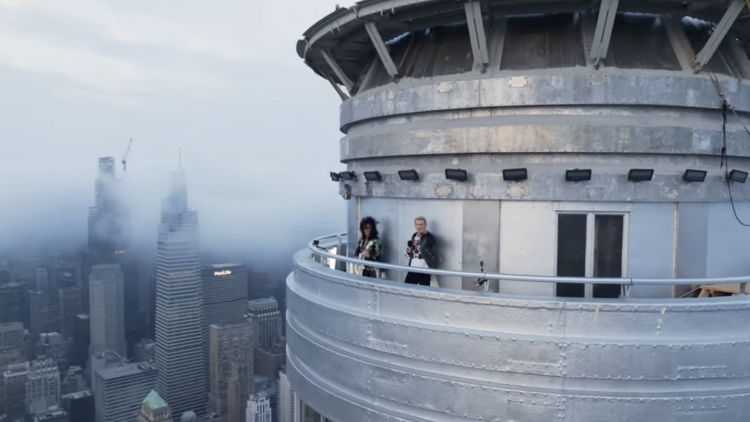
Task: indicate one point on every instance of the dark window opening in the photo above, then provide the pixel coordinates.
(608, 239)
(571, 253)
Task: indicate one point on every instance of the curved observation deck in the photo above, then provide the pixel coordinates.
(363, 349)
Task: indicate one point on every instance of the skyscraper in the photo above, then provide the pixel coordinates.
(266, 318)
(224, 299)
(11, 335)
(154, 409)
(12, 302)
(119, 390)
(37, 312)
(69, 306)
(179, 317)
(231, 368)
(258, 408)
(106, 218)
(42, 385)
(109, 241)
(107, 309)
(285, 405)
(14, 384)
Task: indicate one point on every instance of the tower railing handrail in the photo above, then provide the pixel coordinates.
(317, 247)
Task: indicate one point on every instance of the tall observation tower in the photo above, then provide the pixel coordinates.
(591, 155)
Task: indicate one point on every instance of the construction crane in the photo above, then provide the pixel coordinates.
(125, 157)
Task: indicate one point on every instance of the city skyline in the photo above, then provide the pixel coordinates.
(164, 86)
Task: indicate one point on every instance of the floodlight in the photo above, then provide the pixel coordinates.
(456, 174)
(577, 175)
(335, 177)
(348, 175)
(694, 175)
(408, 175)
(373, 176)
(738, 176)
(515, 175)
(640, 175)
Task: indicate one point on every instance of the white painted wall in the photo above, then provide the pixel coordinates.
(527, 245)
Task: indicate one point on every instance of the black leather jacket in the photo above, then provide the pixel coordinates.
(427, 245)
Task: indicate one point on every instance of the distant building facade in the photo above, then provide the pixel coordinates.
(231, 363)
(107, 309)
(119, 390)
(224, 299)
(11, 335)
(154, 409)
(42, 385)
(69, 305)
(259, 409)
(285, 407)
(266, 318)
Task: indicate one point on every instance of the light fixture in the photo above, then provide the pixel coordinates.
(694, 175)
(348, 175)
(577, 175)
(408, 175)
(738, 176)
(373, 176)
(515, 175)
(335, 177)
(456, 174)
(640, 175)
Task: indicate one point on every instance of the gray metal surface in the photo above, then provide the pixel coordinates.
(369, 350)
(549, 90)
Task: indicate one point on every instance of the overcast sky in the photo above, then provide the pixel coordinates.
(258, 129)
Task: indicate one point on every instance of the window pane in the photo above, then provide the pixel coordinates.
(608, 237)
(571, 252)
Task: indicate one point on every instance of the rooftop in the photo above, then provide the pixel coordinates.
(258, 303)
(154, 401)
(78, 394)
(219, 266)
(126, 370)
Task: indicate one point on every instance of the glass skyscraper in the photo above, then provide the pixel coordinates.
(179, 320)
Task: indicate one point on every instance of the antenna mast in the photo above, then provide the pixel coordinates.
(125, 156)
(179, 156)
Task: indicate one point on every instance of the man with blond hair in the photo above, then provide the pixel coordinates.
(421, 252)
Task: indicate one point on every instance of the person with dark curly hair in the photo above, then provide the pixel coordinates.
(368, 246)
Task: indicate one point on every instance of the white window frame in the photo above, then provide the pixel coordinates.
(591, 213)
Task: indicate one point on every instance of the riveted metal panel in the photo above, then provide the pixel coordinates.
(365, 349)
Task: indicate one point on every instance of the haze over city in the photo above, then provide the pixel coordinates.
(257, 128)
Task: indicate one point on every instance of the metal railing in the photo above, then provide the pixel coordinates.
(317, 246)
